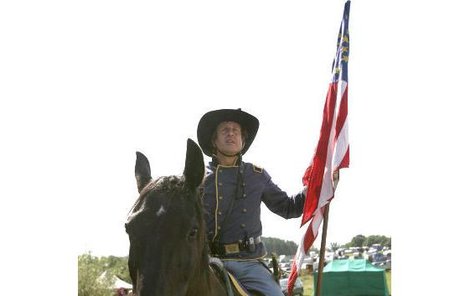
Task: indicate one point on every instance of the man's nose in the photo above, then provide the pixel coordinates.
(230, 132)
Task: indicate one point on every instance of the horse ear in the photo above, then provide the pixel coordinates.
(194, 166)
(142, 171)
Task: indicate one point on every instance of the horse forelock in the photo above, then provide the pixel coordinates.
(170, 184)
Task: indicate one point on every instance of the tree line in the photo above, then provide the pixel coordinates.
(367, 241)
(279, 246)
(282, 247)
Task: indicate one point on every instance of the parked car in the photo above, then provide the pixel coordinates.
(381, 260)
(298, 287)
(387, 265)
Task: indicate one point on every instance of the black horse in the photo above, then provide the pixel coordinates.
(168, 253)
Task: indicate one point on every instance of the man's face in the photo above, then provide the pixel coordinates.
(228, 138)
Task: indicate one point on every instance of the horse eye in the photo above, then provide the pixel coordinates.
(193, 233)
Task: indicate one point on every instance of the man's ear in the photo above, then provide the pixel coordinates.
(244, 136)
(214, 146)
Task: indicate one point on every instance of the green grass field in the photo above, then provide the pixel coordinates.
(307, 280)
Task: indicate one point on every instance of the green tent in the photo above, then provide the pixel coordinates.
(352, 278)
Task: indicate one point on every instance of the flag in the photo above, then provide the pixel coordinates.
(332, 152)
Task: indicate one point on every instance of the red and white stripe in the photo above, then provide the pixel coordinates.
(337, 157)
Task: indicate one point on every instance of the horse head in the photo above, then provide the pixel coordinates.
(167, 251)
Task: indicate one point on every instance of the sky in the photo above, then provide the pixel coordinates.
(85, 85)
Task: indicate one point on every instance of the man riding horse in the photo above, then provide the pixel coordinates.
(232, 194)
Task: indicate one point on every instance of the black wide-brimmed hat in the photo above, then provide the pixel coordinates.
(209, 122)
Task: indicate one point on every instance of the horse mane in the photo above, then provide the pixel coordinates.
(161, 184)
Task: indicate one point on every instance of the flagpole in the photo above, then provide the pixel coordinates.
(322, 250)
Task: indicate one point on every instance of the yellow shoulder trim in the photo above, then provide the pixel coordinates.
(257, 169)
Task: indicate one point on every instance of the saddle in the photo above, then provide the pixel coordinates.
(231, 284)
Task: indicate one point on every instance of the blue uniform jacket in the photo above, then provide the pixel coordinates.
(244, 221)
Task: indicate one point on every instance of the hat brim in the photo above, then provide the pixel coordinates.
(209, 122)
